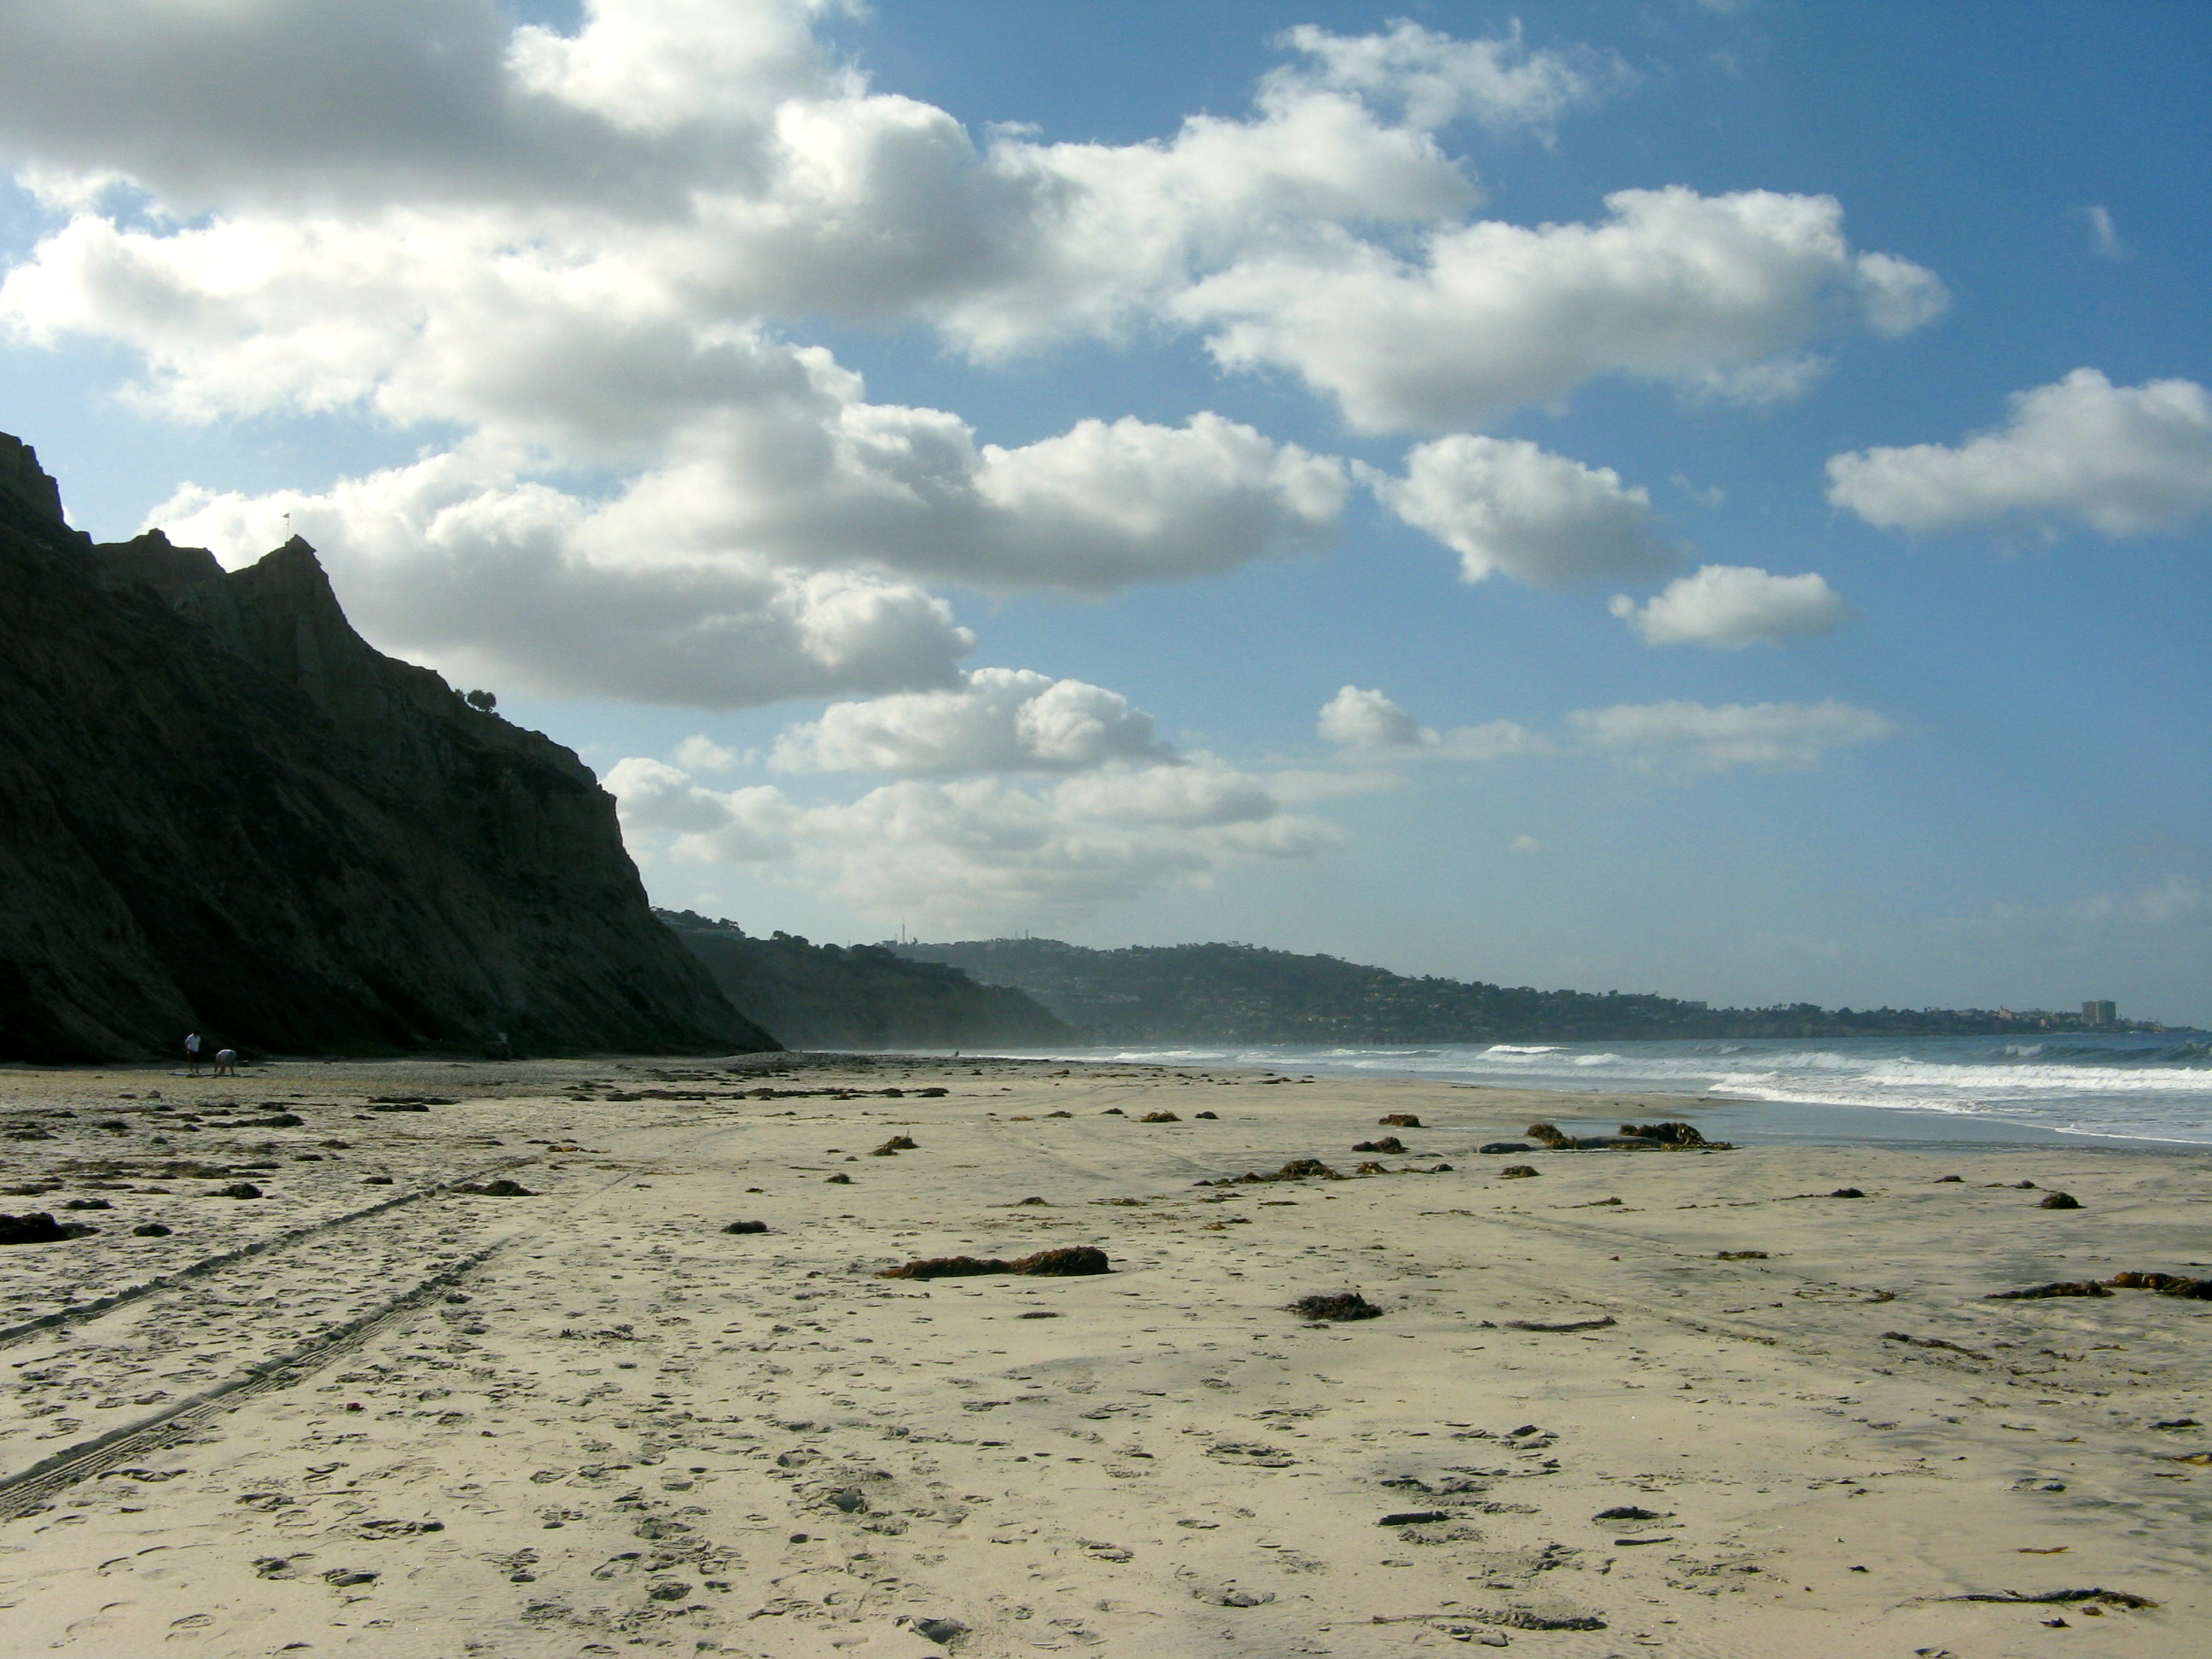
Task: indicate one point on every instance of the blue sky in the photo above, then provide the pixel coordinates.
(646, 363)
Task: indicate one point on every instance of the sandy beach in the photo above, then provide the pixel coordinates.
(1676, 1402)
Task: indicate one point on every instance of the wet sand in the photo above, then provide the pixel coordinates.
(394, 1418)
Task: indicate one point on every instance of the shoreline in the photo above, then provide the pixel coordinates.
(1761, 1120)
(1768, 1118)
(1687, 1402)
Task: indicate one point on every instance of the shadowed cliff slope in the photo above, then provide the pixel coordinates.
(825, 996)
(221, 809)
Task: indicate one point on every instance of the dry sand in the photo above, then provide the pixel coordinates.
(590, 1421)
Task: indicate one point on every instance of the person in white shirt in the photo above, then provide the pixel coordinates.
(226, 1062)
(192, 1053)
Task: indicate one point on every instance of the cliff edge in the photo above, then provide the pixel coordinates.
(221, 809)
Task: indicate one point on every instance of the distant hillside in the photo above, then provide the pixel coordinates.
(825, 996)
(1242, 993)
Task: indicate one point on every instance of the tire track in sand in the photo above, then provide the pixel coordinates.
(125, 1334)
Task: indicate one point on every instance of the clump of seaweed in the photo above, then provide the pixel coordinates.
(1387, 1143)
(2179, 1284)
(1343, 1305)
(1671, 1134)
(1298, 1169)
(2061, 1287)
(895, 1145)
(1663, 1137)
(2197, 1289)
(40, 1228)
(2110, 1598)
(1070, 1262)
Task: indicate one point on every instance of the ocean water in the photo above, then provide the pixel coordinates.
(2149, 1089)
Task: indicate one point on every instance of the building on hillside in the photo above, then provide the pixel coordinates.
(2100, 1013)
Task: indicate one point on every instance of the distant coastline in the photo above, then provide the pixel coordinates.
(1243, 993)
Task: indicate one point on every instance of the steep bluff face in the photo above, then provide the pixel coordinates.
(221, 809)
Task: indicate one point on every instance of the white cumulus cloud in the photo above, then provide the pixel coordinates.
(700, 162)
(1728, 607)
(1503, 504)
(700, 753)
(578, 259)
(460, 565)
(1097, 508)
(771, 556)
(753, 824)
(997, 720)
(1436, 80)
(2124, 460)
(1367, 722)
(1362, 719)
(1720, 293)
(981, 854)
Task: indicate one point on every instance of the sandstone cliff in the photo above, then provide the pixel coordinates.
(221, 809)
(825, 996)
